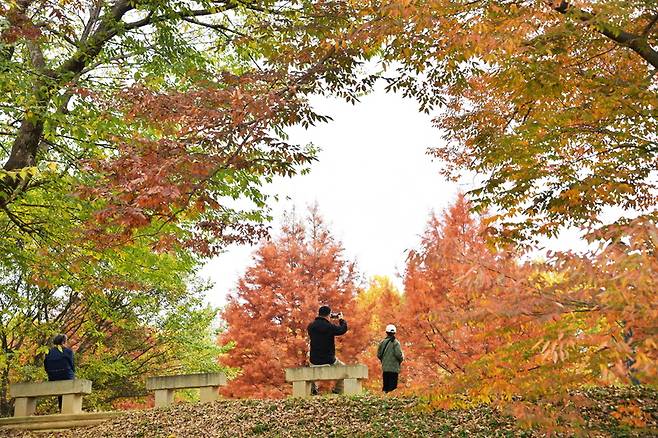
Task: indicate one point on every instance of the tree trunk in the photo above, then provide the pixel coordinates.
(5, 400)
(26, 144)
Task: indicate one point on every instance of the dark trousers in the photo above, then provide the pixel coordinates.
(52, 378)
(390, 381)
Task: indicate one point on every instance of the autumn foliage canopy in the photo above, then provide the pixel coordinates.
(133, 135)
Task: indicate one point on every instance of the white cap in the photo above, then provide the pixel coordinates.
(390, 328)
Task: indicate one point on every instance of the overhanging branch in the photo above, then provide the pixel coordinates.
(637, 43)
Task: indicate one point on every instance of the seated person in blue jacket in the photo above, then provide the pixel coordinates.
(59, 363)
(323, 347)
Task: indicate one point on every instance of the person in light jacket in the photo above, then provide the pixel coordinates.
(59, 362)
(390, 355)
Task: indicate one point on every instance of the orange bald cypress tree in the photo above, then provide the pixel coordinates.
(276, 299)
(452, 284)
(484, 328)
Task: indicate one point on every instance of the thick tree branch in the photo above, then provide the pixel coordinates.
(36, 56)
(151, 18)
(637, 43)
(94, 14)
(109, 26)
(25, 146)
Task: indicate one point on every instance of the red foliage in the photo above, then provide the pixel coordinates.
(482, 325)
(451, 284)
(210, 143)
(476, 324)
(278, 297)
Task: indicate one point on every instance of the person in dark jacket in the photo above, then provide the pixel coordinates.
(323, 347)
(59, 362)
(390, 355)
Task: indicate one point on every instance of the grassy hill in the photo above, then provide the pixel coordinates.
(365, 416)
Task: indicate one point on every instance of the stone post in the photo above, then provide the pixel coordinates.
(351, 386)
(71, 403)
(164, 398)
(301, 388)
(208, 394)
(24, 406)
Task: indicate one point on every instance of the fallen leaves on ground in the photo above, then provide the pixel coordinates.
(362, 416)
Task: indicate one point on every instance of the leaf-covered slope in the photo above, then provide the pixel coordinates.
(323, 416)
(366, 416)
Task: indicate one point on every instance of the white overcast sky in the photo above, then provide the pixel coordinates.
(374, 183)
